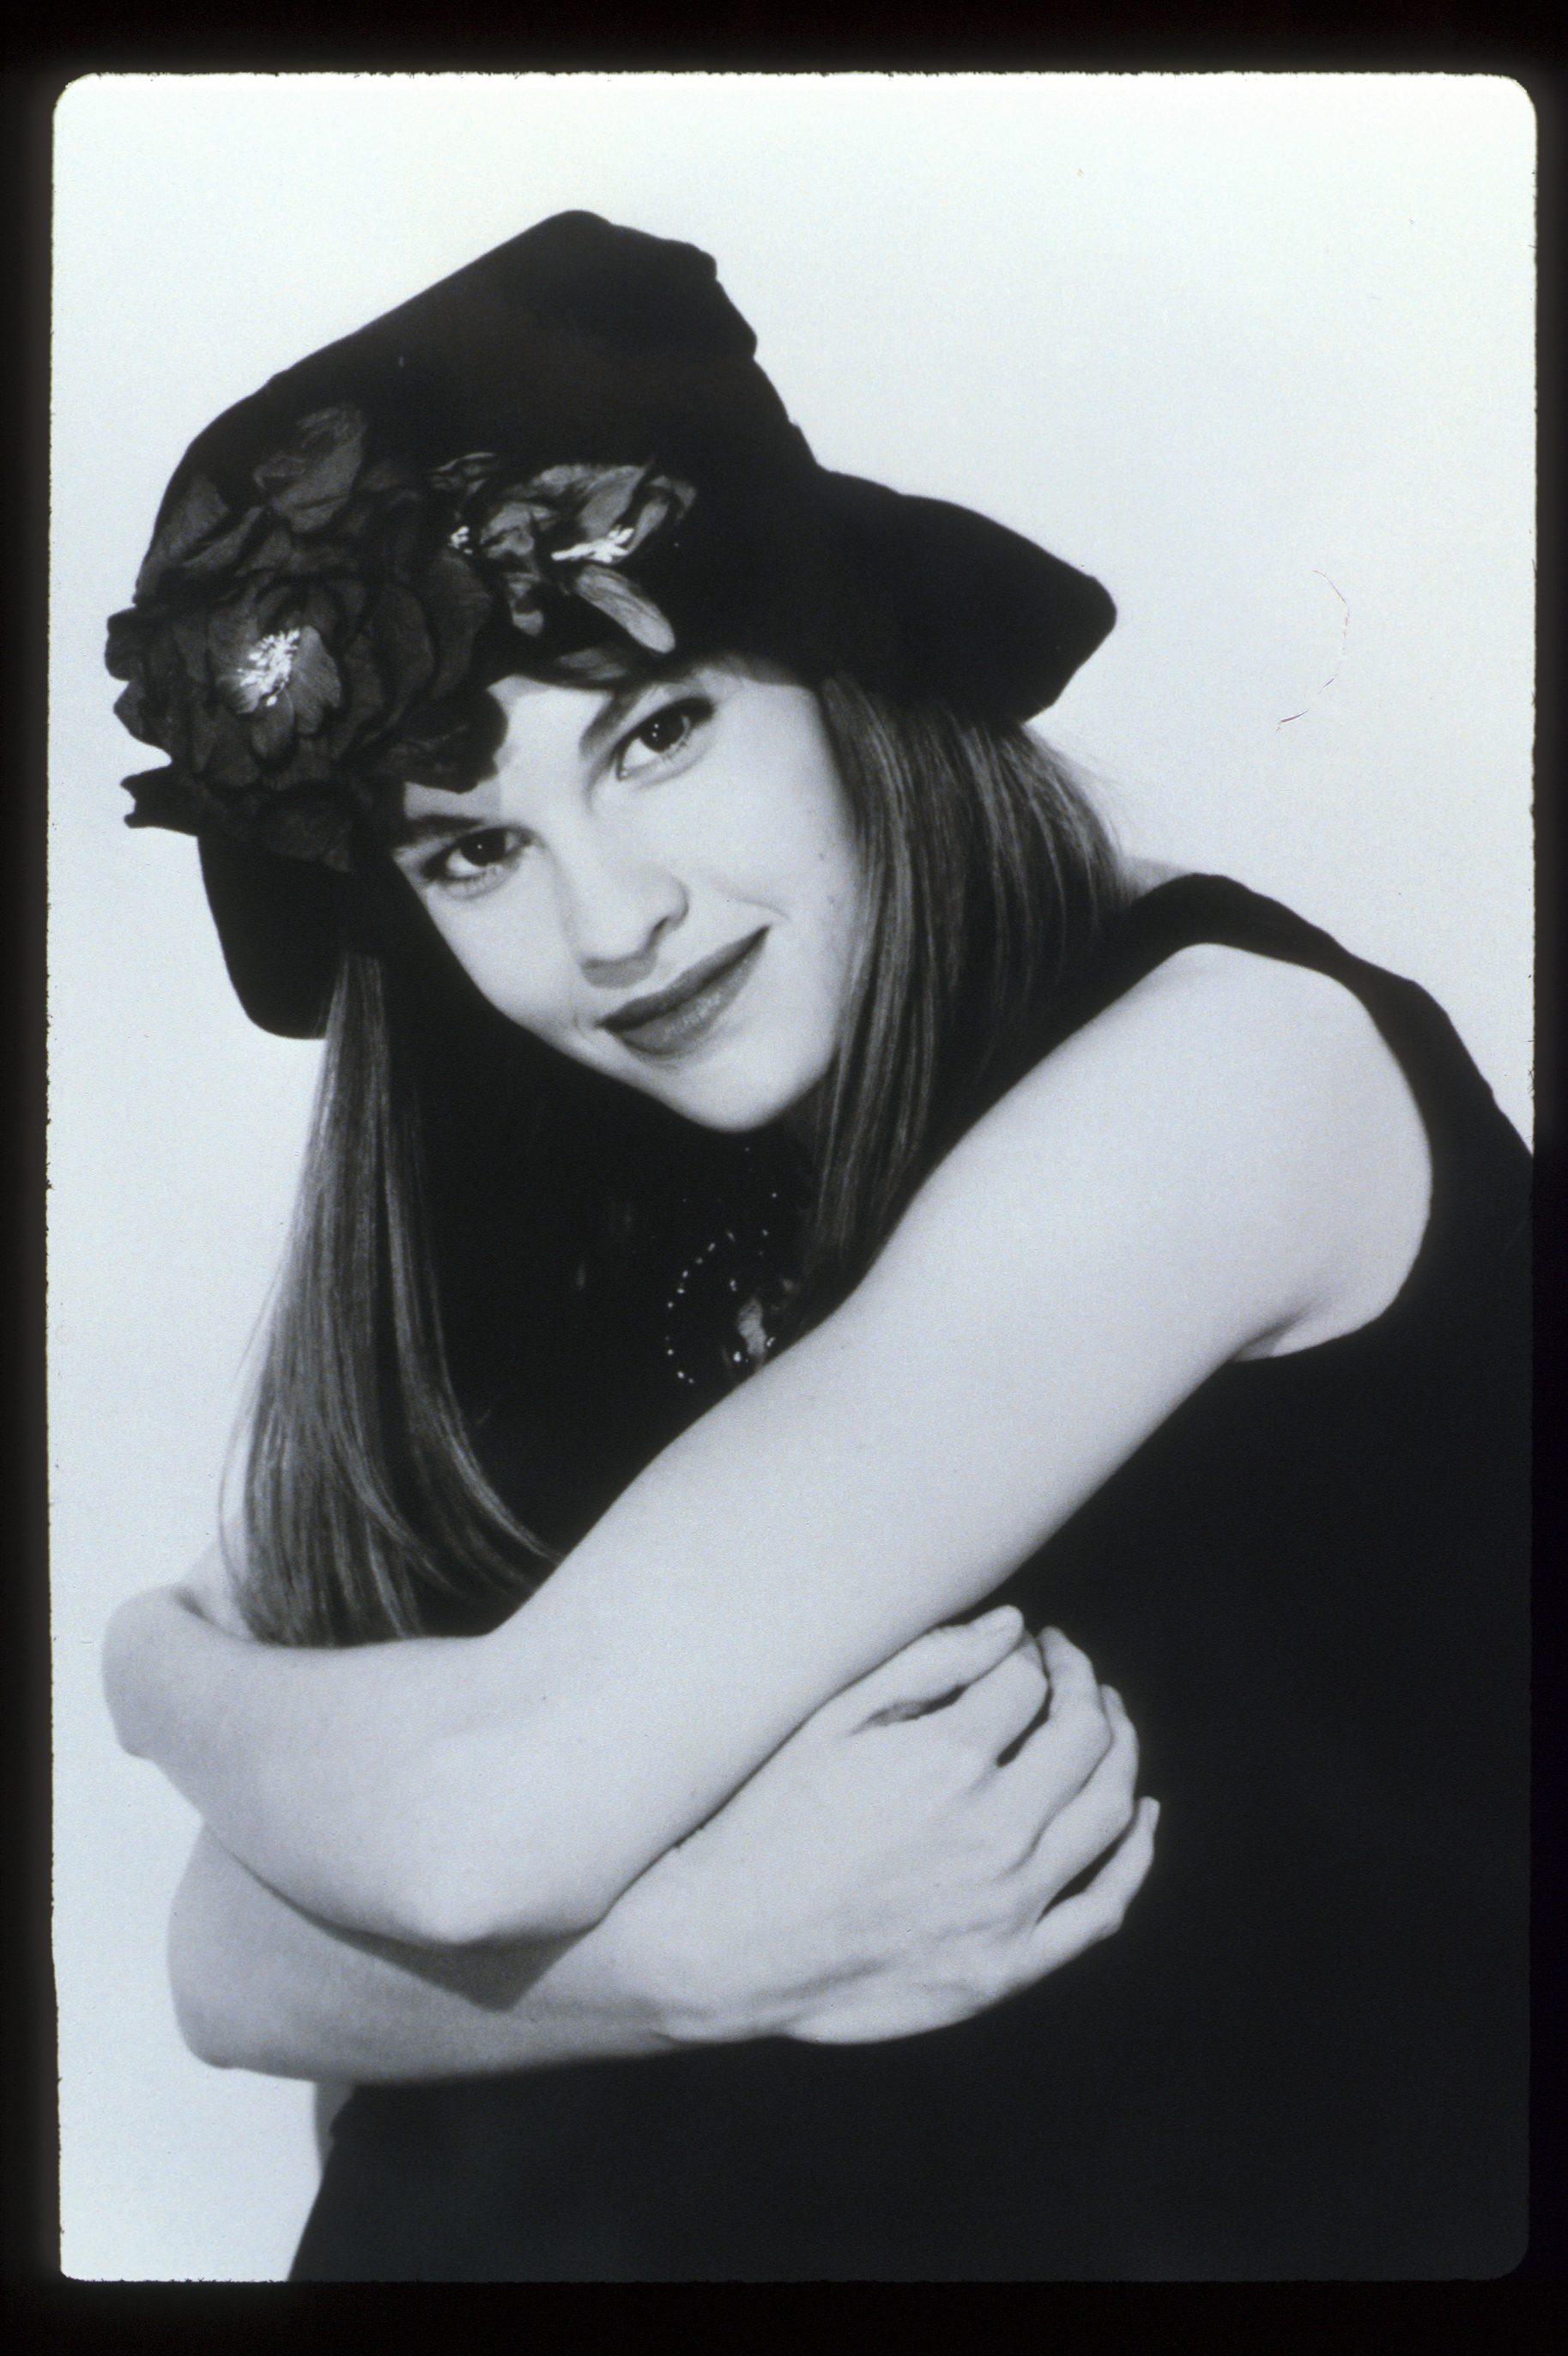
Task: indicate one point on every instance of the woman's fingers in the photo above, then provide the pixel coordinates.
(1066, 1929)
(969, 1827)
(930, 1671)
(1060, 1756)
(1079, 1828)
(1071, 1671)
(997, 1709)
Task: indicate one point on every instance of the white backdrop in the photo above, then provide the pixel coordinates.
(1256, 352)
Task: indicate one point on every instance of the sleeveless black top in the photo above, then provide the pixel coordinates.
(1303, 2056)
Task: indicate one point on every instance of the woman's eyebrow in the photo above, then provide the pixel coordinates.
(401, 834)
(621, 700)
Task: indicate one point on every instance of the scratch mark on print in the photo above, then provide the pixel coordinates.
(1338, 658)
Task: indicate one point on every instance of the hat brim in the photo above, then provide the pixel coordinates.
(999, 619)
(996, 619)
(280, 923)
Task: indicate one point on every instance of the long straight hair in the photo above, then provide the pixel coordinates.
(988, 877)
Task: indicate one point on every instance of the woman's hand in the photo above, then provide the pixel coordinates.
(896, 1865)
(1037, 1313)
(899, 1863)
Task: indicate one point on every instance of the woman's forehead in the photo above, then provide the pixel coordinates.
(428, 812)
(552, 725)
(548, 727)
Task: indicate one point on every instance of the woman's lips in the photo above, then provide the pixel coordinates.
(672, 1020)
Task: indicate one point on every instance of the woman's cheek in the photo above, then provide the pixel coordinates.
(502, 960)
(532, 995)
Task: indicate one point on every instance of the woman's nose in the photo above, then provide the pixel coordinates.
(616, 907)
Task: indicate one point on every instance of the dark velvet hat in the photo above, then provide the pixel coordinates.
(563, 460)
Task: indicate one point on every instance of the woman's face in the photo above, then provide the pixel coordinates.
(661, 880)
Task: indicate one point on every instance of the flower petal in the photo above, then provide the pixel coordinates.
(223, 639)
(665, 498)
(522, 603)
(312, 761)
(196, 511)
(589, 667)
(569, 487)
(607, 499)
(273, 726)
(308, 479)
(129, 710)
(314, 687)
(333, 605)
(508, 532)
(457, 605)
(232, 760)
(271, 554)
(612, 593)
(385, 474)
(465, 473)
(218, 553)
(400, 643)
(201, 734)
(364, 705)
(125, 643)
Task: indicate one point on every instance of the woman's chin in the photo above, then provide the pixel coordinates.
(727, 1119)
(733, 1105)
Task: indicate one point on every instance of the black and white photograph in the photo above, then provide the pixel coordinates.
(790, 964)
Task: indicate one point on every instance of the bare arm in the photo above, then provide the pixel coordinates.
(1217, 1162)
(883, 1873)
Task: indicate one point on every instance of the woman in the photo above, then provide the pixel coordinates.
(1138, 1254)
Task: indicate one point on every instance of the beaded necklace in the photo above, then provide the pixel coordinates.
(724, 1310)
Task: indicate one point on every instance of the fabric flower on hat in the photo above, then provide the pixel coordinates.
(280, 653)
(274, 653)
(567, 533)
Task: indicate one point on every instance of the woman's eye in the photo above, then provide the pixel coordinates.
(664, 733)
(475, 858)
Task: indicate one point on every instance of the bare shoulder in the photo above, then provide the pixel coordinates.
(1234, 1102)
(1315, 1071)
(1235, 979)
(1220, 1032)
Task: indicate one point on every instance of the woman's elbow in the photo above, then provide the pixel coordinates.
(123, 1668)
(466, 1900)
(205, 2022)
(220, 2022)
(466, 1871)
(203, 2033)
(212, 1973)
